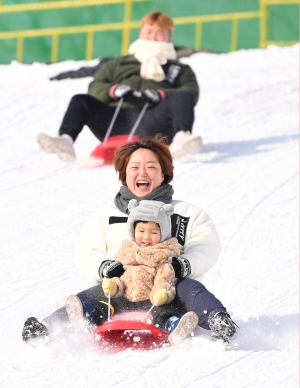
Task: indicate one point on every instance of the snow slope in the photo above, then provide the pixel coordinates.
(246, 178)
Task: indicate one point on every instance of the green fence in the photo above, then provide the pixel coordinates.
(51, 31)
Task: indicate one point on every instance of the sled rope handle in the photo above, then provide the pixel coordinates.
(148, 312)
(152, 307)
(113, 119)
(108, 318)
(138, 121)
(116, 115)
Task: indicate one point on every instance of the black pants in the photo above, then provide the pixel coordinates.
(191, 295)
(172, 115)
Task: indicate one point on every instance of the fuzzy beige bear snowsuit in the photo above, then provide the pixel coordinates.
(147, 269)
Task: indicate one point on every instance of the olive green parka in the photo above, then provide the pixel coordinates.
(126, 70)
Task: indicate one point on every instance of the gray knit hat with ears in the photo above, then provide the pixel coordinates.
(155, 211)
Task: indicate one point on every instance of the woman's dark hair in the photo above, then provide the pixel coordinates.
(158, 145)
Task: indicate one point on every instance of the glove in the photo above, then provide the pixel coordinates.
(160, 297)
(109, 285)
(153, 96)
(120, 91)
(111, 269)
(181, 266)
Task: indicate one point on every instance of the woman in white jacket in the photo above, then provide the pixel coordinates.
(145, 170)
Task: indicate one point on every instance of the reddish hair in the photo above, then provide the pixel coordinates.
(157, 145)
(163, 20)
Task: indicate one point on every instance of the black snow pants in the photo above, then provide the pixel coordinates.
(172, 115)
(191, 295)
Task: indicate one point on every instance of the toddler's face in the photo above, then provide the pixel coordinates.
(147, 234)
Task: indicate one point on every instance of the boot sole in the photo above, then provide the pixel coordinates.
(192, 146)
(49, 145)
(74, 308)
(185, 327)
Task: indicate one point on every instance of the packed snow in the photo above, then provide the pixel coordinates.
(246, 178)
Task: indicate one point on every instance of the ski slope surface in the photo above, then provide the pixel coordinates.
(246, 178)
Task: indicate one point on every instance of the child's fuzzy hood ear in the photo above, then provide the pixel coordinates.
(150, 211)
(169, 209)
(132, 204)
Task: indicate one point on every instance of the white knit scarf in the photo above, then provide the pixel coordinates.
(152, 55)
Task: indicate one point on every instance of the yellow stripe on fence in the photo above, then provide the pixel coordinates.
(214, 18)
(65, 30)
(89, 45)
(54, 48)
(127, 27)
(61, 4)
(234, 35)
(85, 3)
(198, 37)
(20, 48)
(282, 2)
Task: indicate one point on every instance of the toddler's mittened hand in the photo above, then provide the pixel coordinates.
(109, 285)
(160, 297)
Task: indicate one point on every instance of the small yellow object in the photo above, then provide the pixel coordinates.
(112, 310)
(109, 285)
(160, 297)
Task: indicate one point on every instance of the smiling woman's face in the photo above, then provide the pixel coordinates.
(143, 173)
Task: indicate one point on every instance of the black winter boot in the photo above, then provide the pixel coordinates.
(222, 327)
(34, 332)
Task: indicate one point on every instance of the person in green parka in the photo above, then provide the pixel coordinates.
(150, 73)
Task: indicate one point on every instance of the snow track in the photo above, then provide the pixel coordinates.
(246, 178)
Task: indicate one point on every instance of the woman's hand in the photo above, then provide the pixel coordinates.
(181, 266)
(111, 269)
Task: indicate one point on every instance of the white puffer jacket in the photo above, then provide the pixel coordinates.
(102, 236)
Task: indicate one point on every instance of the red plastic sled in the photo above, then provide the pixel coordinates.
(106, 150)
(118, 335)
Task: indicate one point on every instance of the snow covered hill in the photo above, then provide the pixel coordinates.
(246, 178)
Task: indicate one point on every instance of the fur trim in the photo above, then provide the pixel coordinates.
(155, 211)
(147, 270)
